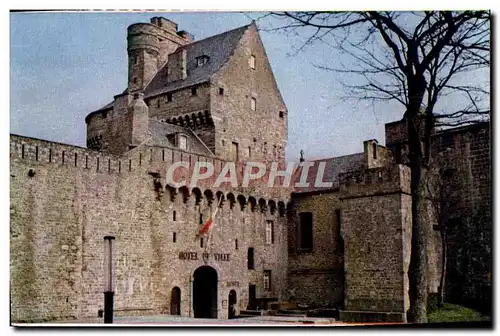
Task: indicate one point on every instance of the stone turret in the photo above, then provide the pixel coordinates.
(149, 45)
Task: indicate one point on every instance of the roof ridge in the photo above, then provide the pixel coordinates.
(213, 36)
(337, 157)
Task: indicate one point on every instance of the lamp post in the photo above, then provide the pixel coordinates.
(109, 242)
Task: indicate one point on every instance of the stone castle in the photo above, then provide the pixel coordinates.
(343, 247)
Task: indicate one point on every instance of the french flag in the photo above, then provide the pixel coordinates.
(208, 224)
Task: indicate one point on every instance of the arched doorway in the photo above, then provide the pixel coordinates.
(232, 304)
(205, 292)
(175, 301)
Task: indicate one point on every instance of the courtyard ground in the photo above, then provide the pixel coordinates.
(169, 320)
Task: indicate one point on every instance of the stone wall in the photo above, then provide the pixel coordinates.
(316, 277)
(467, 149)
(60, 212)
(375, 228)
(262, 130)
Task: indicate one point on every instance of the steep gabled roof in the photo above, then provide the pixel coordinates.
(334, 166)
(218, 48)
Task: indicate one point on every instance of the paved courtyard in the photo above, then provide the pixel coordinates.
(169, 320)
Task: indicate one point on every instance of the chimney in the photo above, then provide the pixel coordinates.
(177, 65)
(164, 23)
(185, 35)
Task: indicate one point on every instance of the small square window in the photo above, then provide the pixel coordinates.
(221, 91)
(193, 91)
(281, 114)
(252, 61)
(202, 60)
(253, 104)
(169, 97)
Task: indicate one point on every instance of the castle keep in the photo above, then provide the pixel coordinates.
(345, 246)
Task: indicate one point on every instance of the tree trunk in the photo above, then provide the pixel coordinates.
(441, 290)
(417, 273)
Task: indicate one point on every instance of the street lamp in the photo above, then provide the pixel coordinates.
(109, 244)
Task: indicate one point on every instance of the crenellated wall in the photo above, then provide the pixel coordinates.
(61, 209)
(376, 227)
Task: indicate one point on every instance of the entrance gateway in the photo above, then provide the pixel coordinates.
(205, 292)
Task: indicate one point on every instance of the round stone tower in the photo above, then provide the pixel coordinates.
(149, 45)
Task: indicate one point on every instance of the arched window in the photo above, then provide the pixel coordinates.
(175, 301)
(250, 258)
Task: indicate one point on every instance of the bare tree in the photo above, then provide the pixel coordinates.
(418, 59)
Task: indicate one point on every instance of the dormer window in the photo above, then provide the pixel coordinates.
(202, 60)
(182, 141)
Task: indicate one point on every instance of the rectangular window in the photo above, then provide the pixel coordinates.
(182, 142)
(306, 231)
(267, 280)
(251, 61)
(193, 91)
(249, 151)
(174, 216)
(236, 244)
(201, 242)
(201, 219)
(253, 104)
(169, 97)
(340, 240)
(250, 258)
(269, 232)
(174, 237)
(234, 151)
(221, 91)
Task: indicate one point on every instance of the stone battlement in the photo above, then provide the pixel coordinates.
(387, 179)
(143, 159)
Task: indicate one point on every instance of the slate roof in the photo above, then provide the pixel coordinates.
(159, 132)
(218, 48)
(334, 166)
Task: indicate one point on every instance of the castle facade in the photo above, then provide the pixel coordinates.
(342, 246)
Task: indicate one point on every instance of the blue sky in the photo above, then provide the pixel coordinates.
(65, 65)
